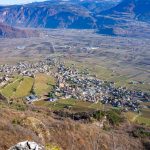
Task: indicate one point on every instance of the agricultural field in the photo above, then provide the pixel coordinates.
(10, 89)
(17, 87)
(106, 73)
(142, 118)
(24, 87)
(75, 105)
(43, 84)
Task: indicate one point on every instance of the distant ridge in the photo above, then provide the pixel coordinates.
(128, 18)
(106, 17)
(139, 9)
(11, 32)
(55, 14)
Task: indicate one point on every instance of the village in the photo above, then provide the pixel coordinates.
(27, 68)
(80, 85)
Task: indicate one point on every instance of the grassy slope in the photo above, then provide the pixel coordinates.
(24, 88)
(39, 125)
(143, 118)
(43, 84)
(21, 86)
(76, 105)
(11, 88)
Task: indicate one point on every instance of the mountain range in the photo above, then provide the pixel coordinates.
(128, 18)
(105, 16)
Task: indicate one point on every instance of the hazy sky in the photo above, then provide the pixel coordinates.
(10, 2)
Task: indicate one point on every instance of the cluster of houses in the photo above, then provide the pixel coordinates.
(73, 84)
(136, 82)
(27, 68)
(4, 80)
(31, 98)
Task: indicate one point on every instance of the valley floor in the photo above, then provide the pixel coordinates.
(124, 61)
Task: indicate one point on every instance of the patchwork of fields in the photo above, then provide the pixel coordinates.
(20, 86)
(121, 78)
(41, 84)
(10, 88)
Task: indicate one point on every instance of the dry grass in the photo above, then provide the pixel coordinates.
(11, 88)
(43, 84)
(24, 88)
(40, 125)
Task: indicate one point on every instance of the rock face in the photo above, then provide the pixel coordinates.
(11, 32)
(27, 145)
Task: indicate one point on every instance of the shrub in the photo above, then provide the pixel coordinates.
(140, 132)
(16, 121)
(20, 107)
(106, 127)
(98, 115)
(114, 117)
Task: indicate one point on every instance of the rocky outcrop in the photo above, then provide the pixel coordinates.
(38, 127)
(27, 145)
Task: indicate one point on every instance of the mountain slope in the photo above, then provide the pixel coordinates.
(47, 16)
(142, 10)
(11, 32)
(55, 14)
(128, 18)
(137, 9)
(20, 122)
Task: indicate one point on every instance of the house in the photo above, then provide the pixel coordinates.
(31, 98)
(52, 99)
